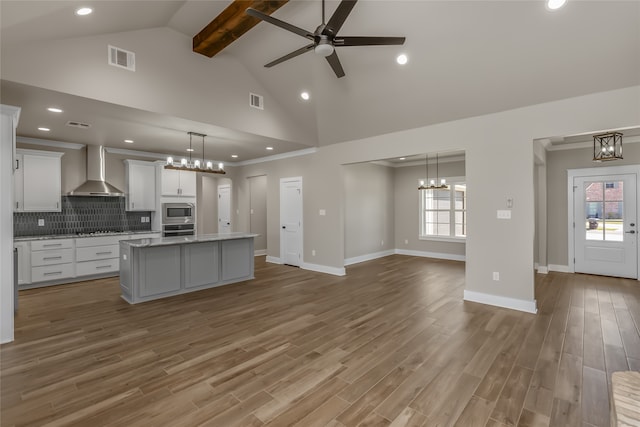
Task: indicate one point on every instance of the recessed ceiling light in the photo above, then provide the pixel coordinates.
(189, 149)
(402, 59)
(235, 156)
(83, 11)
(555, 4)
(269, 148)
(129, 141)
(54, 110)
(44, 129)
(305, 96)
(402, 158)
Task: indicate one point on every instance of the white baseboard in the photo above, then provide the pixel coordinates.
(438, 255)
(323, 269)
(274, 260)
(559, 268)
(259, 252)
(368, 257)
(506, 302)
(542, 269)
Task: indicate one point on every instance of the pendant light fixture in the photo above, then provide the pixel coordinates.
(197, 165)
(432, 183)
(607, 146)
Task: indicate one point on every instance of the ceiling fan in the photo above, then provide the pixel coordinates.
(325, 38)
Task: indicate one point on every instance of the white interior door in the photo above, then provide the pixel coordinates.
(224, 209)
(291, 221)
(605, 232)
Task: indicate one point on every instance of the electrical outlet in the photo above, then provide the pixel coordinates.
(323, 212)
(406, 241)
(496, 276)
(313, 252)
(41, 222)
(381, 242)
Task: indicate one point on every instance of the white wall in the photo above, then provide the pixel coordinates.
(369, 209)
(8, 121)
(258, 211)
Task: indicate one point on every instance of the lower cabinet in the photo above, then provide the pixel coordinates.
(159, 270)
(97, 255)
(24, 262)
(52, 260)
(200, 264)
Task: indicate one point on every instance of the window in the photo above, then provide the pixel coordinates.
(443, 213)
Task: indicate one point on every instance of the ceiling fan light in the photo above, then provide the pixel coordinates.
(324, 47)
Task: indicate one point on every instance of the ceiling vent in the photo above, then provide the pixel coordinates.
(78, 125)
(122, 58)
(256, 101)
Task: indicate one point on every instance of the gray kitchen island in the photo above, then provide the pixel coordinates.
(167, 266)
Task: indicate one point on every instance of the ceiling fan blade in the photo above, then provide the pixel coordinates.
(335, 64)
(293, 54)
(338, 17)
(367, 41)
(284, 25)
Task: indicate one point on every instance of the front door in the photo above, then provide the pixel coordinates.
(291, 221)
(224, 209)
(605, 232)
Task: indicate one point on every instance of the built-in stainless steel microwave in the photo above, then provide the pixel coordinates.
(178, 213)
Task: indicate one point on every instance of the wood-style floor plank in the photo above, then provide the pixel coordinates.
(390, 344)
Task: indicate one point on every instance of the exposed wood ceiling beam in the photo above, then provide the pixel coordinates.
(232, 23)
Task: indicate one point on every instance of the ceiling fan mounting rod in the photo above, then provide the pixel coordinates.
(323, 21)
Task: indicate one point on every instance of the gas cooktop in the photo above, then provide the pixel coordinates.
(98, 233)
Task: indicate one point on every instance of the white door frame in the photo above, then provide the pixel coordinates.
(230, 210)
(586, 172)
(282, 256)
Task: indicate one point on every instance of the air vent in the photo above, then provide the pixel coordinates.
(78, 125)
(122, 58)
(256, 101)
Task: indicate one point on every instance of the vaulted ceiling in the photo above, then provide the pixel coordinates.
(466, 58)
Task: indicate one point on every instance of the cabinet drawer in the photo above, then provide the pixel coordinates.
(60, 256)
(97, 267)
(51, 272)
(97, 252)
(84, 242)
(44, 245)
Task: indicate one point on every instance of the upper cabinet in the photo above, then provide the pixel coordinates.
(178, 183)
(37, 181)
(141, 185)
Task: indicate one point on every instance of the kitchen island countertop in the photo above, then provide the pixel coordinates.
(181, 240)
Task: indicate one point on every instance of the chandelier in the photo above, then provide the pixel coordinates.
(607, 146)
(432, 183)
(194, 165)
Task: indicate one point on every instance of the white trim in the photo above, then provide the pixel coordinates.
(452, 239)
(39, 152)
(323, 269)
(559, 268)
(281, 156)
(584, 173)
(505, 302)
(136, 153)
(274, 260)
(542, 269)
(437, 255)
(49, 143)
(368, 257)
(259, 252)
(11, 110)
(588, 144)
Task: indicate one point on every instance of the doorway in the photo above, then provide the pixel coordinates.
(291, 241)
(258, 212)
(224, 209)
(603, 221)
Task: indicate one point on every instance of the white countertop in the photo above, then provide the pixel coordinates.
(80, 236)
(181, 240)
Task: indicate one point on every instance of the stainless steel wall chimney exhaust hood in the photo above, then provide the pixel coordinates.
(95, 185)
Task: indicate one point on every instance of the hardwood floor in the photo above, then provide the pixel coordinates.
(390, 344)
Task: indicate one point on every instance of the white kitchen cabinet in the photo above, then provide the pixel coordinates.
(24, 262)
(178, 183)
(38, 181)
(52, 260)
(141, 185)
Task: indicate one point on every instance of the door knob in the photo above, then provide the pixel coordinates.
(284, 227)
(631, 232)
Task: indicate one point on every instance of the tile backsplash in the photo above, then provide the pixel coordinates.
(81, 215)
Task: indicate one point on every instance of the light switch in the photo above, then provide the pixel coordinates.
(323, 212)
(504, 214)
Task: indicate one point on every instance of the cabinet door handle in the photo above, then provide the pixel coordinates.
(52, 257)
(48, 245)
(17, 205)
(102, 266)
(52, 273)
(104, 253)
(57, 205)
(133, 205)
